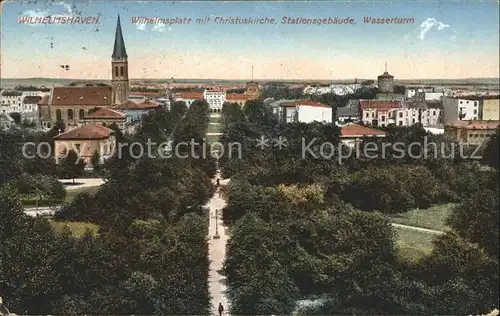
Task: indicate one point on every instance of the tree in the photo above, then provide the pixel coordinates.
(95, 160)
(71, 166)
(491, 153)
(476, 220)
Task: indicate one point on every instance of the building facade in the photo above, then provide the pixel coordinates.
(86, 140)
(471, 132)
(215, 99)
(385, 82)
(490, 108)
(455, 109)
(252, 90)
(302, 111)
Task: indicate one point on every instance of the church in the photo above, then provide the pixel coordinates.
(74, 105)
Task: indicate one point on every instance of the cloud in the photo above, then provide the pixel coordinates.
(428, 24)
(68, 12)
(141, 27)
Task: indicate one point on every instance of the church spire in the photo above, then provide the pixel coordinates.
(119, 51)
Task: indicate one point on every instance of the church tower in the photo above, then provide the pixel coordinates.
(119, 68)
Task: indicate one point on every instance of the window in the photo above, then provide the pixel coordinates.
(413, 121)
(434, 112)
(81, 114)
(475, 103)
(400, 114)
(461, 102)
(58, 115)
(77, 147)
(383, 118)
(400, 123)
(70, 114)
(121, 71)
(116, 71)
(367, 114)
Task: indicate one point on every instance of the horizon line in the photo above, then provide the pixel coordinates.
(254, 79)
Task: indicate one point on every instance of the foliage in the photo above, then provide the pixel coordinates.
(71, 166)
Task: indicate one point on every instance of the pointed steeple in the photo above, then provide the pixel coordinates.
(119, 51)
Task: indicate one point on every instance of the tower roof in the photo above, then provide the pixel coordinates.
(119, 51)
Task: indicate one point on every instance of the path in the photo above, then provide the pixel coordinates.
(217, 253)
(81, 183)
(420, 229)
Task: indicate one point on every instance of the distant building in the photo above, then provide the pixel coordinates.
(471, 132)
(385, 82)
(188, 97)
(349, 113)
(70, 104)
(11, 101)
(86, 140)
(490, 108)
(134, 111)
(352, 133)
(6, 121)
(379, 112)
(302, 111)
(455, 109)
(105, 117)
(215, 99)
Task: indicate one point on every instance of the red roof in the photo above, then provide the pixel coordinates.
(356, 130)
(130, 105)
(91, 96)
(484, 125)
(89, 131)
(106, 113)
(380, 104)
(190, 95)
(237, 97)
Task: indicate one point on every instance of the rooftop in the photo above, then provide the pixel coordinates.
(86, 132)
(485, 125)
(82, 96)
(130, 105)
(237, 97)
(380, 104)
(356, 130)
(106, 113)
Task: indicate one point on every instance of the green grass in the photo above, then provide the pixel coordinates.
(78, 229)
(413, 245)
(214, 128)
(432, 218)
(215, 119)
(70, 196)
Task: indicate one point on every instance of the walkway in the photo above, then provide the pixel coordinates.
(217, 253)
(420, 229)
(81, 183)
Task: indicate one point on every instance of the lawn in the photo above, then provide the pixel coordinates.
(432, 218)
(413, 245)
(78, 229)
(215, 119)
(70, 196)
(214, 128)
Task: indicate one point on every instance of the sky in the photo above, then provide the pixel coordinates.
(449, 40)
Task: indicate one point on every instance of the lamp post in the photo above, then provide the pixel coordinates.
(216, 236)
